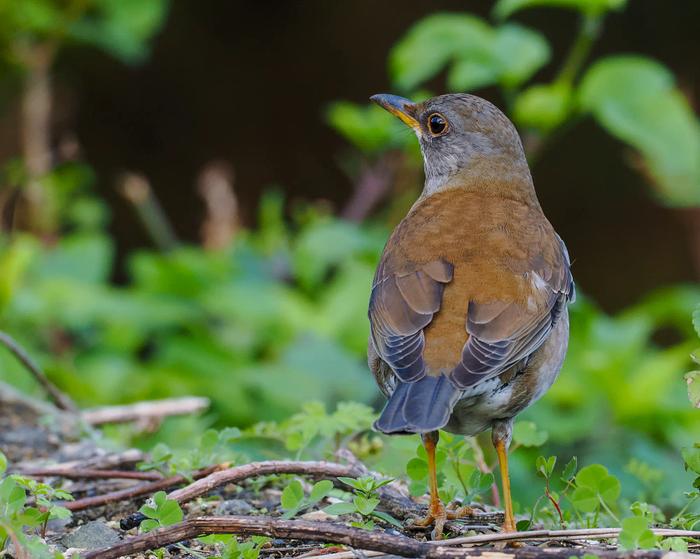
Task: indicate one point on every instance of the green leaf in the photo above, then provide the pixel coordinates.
(352, 482)
(320, 490)
(674, 544)
(691, 457)
(149, 525)
(636, 534)
(693, 380)
(545, 466)
(525, 433)
(386, 517)
(478, 54)
(417, 469)
(170, 513)
(338, 509)
(569, 469)
(635, 100)
(292, 495)
(122, 28)
(696, 320)
(519, 53)
(505, 8)
(543, 106)
(12, 497)
(3, 463)
(365, 505)
(594, 483)
(369, 127)
(432, 42)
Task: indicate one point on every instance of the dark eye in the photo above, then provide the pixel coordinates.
(437, 124)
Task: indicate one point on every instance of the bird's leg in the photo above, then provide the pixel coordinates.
(436, 510)
(501, 434)
(437, 513)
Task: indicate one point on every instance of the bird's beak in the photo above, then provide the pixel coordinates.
(398, 106)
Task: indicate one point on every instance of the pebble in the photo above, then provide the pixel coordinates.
(234, 506)
(93, 535)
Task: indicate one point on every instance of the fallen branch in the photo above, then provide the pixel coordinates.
(61, 400)
(341, 534)
(137, 491)
(89, 473)
(141, 411)
(255, 469)
(584, 533)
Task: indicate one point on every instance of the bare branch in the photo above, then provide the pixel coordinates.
(145, 410)
(61, 400)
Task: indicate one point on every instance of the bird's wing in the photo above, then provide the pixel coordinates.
(401, 305)
(503, 333)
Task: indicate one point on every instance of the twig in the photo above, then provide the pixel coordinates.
(137, 491)
(371, 187)
(333, 533)
(137, 190)
(589, 533)
(215, 186)
(255, 469)
(89, 473)
(145, 410)
(61, 400)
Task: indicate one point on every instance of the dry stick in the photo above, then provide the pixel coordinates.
(61, 400)
(254, 469)
(334, 533)
(145, 410)
(89, 473)
(589, 533)
(137, 491)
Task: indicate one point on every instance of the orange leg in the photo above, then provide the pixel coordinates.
(502, 451)
(437, 513)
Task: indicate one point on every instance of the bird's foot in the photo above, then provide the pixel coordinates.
(438, 514)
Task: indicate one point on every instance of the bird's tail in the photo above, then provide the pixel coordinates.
(419, 407)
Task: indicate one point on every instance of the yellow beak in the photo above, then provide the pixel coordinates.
(398, 106)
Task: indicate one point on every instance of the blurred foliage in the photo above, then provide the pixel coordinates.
(250, 325)
(121, 28)
(634, 98)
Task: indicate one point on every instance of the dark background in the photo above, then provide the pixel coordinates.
(247, 83)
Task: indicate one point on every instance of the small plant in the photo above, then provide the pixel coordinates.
(18, 522)
(686, 519)
(293, 500)
(364, 502)
(596, 489)
(212, 448)
(693, 377)
(545, 469)
(636, 534)
(160, 512)
(230, 547)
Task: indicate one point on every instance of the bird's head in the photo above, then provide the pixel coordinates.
(459, 135)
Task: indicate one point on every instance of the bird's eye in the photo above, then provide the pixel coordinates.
(437, 124)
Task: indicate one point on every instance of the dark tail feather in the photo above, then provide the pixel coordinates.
(419, 407)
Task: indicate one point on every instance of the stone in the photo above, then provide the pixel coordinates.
(93, 535)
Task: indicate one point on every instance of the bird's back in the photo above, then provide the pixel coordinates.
(492, 243)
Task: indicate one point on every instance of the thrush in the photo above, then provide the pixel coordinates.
(468, 310)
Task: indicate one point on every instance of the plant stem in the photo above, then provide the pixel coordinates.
(589, 30)
(607, 509)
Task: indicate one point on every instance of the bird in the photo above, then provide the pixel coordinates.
(468, 309)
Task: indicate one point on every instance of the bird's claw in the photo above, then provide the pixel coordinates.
(438, 514)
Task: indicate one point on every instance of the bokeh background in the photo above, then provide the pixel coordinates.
(194, 197)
